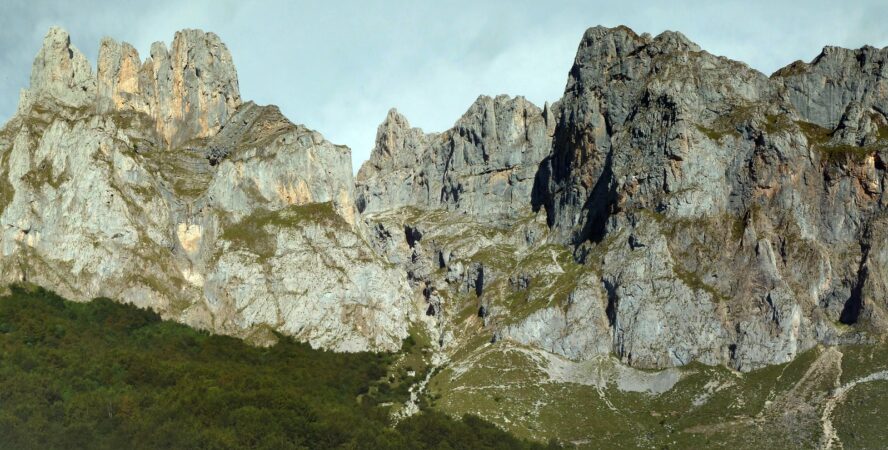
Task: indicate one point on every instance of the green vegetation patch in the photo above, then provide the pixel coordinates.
(7, 192)
(859, 418)
(841, 153)
(777, 123)
(43, 175)
(268, 127)
(798, 67)
(815, 134)
(727, 123)
(737, 116)
(819, 139)
(499, 257)
(860, 360)
(883, 133)
(255, 233)
(44, 112)
(411, 365)
(185, 172)
(107, 375)
(693, 281)
(131, 120)
(714, 135)
(710, 407)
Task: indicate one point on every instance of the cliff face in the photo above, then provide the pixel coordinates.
(152, 183)
(190, 90)
(719, 215)
(755, 200)
(673, 206)
(484, 166)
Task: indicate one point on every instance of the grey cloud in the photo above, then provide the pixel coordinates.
(338, 66)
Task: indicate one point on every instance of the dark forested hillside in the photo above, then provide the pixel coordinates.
(107, 375)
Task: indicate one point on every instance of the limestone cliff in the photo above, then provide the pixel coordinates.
(673, 206)
(152, 183)
(484, 166)
(190, 90)
(759, 194)
(716, 214)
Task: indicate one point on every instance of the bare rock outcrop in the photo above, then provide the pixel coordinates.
(730, 217)
(768, 187)
(189, 89)
(674, 206)
(483, 166)
(60, 71)
(152, 183)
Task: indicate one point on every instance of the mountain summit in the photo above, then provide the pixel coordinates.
(153, 183)
(674, 206)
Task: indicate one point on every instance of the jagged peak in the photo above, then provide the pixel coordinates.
(621, 41)
(487, 103)
(190, 88)
(607, 43)
(854, 58)
(57, 36)
(159, 49)
(196, 35)
(397, 145)
(60, 71)
(674, 41)
(188, 50)
(608, 57)
(394, 119)
(599, 32)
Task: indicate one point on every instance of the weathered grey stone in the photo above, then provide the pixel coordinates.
(190, 90)
(822, 90)
(60, 72)
(484, 166)
(100, 198)
(673, 206)
(732, 216)
(580, 332)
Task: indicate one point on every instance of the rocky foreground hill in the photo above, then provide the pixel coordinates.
(673, 207)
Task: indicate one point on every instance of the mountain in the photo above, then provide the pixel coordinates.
(484, 166)
(674, 211)
(153, 183)
(719, 215)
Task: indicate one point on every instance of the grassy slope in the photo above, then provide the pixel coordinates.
(106, 375)
(710, 407)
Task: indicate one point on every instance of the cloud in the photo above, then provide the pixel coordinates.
(338, 66)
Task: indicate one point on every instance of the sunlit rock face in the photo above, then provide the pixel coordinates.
(728, 217)
(152, 183)
(189, 89)
(484, 166)
(673, 206)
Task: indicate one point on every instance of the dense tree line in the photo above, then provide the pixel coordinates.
(107, 375)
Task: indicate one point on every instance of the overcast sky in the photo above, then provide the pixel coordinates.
(338, 66)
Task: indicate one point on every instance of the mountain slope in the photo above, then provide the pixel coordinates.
(153, 183)
(675, 211)
(719, 215)
(106, 375)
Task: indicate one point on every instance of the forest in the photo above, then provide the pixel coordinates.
(103, 375)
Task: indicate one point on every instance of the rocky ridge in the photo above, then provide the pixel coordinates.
(674, 206)
(714, 214)
(484, 166)
(151, 182)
